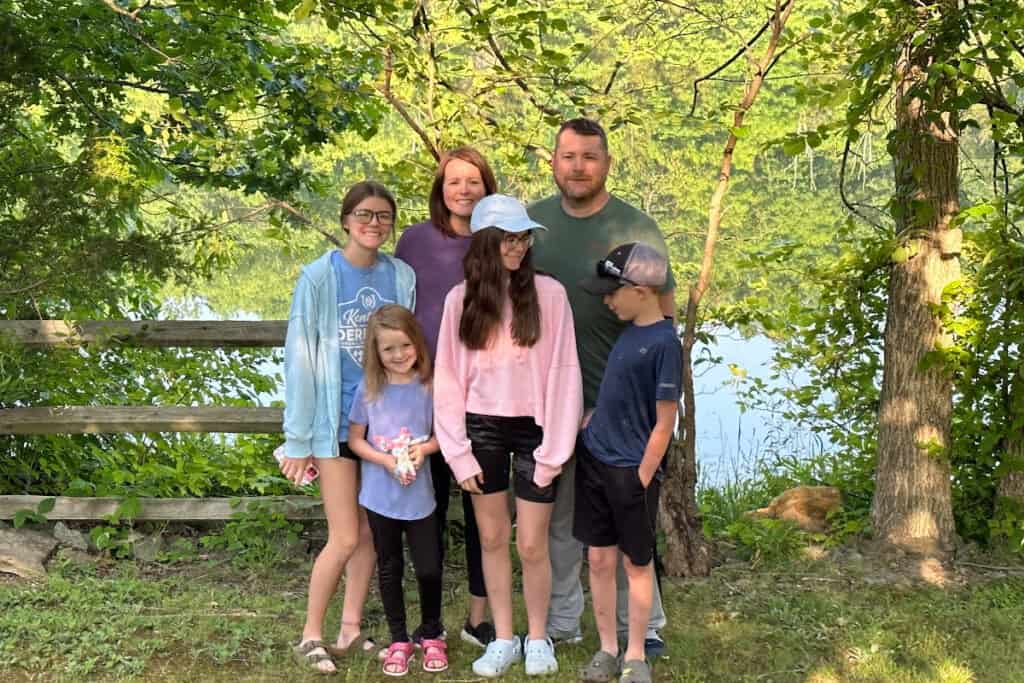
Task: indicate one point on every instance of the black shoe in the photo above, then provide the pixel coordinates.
(480, 635)
(654, 648)
(417, 635)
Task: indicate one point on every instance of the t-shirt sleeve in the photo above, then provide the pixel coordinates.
(670, 370)
(358, 413)
(657, 240)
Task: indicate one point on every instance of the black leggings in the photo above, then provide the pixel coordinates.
(422, 537)
(442, 478)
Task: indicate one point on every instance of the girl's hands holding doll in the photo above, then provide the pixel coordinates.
(404, 474)
(419, 452)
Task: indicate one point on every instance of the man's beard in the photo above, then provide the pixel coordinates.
(593, 188)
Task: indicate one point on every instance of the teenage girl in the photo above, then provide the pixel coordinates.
(390, 428)
(508, 396)
(333, 300)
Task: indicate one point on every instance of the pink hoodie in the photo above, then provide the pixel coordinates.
(506, 380)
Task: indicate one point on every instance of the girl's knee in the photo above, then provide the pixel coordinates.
(495, 539)
(532, 550)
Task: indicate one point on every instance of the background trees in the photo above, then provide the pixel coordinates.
(154, 150)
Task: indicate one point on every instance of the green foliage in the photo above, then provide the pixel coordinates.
(37, 516)
(760, 540)
(258, 537)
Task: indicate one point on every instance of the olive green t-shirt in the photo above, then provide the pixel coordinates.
(569, 250)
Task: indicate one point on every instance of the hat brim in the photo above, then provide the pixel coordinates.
(521, 225)
(599, 285)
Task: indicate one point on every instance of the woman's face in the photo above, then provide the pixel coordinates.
(514, 246)
(463, 187)
(369, 223)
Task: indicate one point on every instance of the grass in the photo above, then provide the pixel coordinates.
(814, 621)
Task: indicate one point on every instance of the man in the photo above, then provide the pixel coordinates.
(585, 222)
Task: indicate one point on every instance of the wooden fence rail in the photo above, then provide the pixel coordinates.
(164, 333)
(124, 419)
(121, 419)
(164, 509)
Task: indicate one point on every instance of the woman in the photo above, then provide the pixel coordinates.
(507, 381)
(435, 250)
(333, 299)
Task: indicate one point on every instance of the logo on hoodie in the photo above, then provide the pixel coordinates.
(352, 318)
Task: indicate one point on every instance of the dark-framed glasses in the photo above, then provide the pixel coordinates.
(365, 216)
(607, 268)
(521, 239)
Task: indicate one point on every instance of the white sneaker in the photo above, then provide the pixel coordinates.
(499, 656)
(540, 657)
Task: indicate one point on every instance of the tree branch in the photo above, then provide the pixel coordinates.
(739, 53)
(302, 218)
(842, 189)
(500, 56)
(133, 15)
(400, 108)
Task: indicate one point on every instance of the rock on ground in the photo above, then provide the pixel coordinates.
(24, 551)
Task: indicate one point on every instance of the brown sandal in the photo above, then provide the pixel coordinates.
(360, 645)
(305, 655)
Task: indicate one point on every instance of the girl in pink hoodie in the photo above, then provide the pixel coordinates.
(508, 395)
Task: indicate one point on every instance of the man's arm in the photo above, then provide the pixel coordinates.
(668, 304)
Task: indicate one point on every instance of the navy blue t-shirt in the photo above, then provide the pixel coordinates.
(644, 367)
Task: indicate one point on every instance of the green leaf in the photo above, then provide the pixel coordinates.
(303, 11)
(739, 131)
(46, 506)
(21, 517)
(794, 146)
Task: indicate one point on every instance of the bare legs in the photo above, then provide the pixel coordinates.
(603, 561)
(532, 543)
(349, 548)
(492, 516)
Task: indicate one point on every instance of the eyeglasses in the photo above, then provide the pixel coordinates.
(607, 268)
(365, 216)
(523, 239)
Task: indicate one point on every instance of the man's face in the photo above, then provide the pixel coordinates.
(580, 165)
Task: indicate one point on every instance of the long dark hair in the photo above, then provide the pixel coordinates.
(486, 291)
(440, 214)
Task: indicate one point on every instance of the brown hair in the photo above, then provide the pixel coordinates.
(440, 215)
(583, 126)
(399, 318)
(359, 192)
(486, 292)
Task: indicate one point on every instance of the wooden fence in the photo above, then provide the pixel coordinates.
(122, 419)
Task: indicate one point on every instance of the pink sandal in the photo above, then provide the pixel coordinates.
(396, 661)
(435, 655)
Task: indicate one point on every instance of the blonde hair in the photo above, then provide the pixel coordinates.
(398, 318)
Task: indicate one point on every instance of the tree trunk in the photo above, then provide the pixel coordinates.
(688, 553)
(912, 507)
(1012, 483)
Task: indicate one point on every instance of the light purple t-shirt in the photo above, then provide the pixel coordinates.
(437, 260)
(398, 407)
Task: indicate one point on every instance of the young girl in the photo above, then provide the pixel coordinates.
(333, 299)
(390, 429)
(508, 382)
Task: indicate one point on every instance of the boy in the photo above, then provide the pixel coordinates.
(618, 468)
